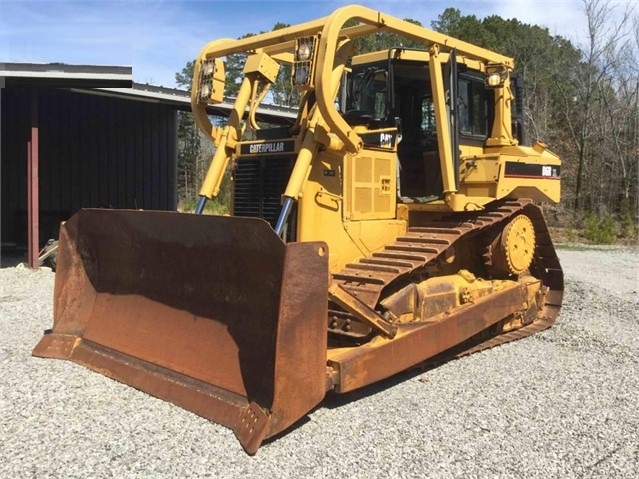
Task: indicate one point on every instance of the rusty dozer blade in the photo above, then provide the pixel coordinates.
(204, 311)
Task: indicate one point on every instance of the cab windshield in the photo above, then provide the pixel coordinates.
(366, 96)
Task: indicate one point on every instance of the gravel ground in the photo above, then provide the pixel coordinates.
(563, 403)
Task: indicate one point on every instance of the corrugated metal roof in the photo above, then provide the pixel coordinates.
(64, 75)
(117, 81)
(182, 100)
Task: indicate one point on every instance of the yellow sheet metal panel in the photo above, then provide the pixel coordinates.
(263, 64)
(372, 182)
(479, 170)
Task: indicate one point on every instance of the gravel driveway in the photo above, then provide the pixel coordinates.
(563, 403)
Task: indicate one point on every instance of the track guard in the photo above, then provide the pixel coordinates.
(215, 314)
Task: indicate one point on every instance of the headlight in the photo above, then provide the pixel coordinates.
(304, 62)
(496, 75)
(303, 51)
(207, 69)
(494, 80)
(301, 75)
(205, 91)
(210, 81)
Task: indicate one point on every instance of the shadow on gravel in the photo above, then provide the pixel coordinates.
(334, 400)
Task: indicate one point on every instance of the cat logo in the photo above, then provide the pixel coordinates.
(267, 148)
(386, 140)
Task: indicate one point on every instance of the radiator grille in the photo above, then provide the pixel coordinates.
(259, 184)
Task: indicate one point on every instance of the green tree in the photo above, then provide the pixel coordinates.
(184, 78)
(282, 90)
(189, 143)
(233, 67)
(384, 40)
(582, 101)
(468, 28)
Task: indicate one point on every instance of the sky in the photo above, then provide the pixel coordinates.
(157, 38)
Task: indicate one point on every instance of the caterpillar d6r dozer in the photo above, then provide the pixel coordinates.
(392, 223)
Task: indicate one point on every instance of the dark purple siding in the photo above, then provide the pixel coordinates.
(95, 151)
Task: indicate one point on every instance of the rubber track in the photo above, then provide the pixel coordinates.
(424, 244)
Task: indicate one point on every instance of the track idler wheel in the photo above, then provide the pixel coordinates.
(513, 250)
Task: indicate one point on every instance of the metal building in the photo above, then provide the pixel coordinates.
(85, 136)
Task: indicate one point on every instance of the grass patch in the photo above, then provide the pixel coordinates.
(585, 247)
(578, 238)
(212, 207)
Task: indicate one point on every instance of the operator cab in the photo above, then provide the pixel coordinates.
(398, 93)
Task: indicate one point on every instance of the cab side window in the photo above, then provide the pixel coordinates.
(473, 107)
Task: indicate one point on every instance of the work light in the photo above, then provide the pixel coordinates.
(303, 64)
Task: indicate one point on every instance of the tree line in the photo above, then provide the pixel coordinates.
(581, 100)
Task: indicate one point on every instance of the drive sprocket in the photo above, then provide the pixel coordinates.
(513, 250)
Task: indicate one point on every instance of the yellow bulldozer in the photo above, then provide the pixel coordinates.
(394, 222)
